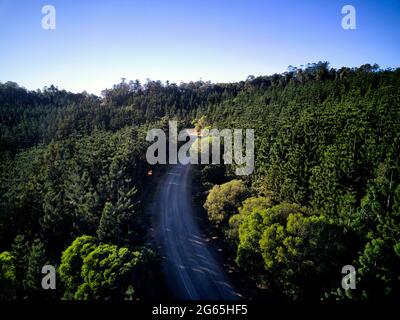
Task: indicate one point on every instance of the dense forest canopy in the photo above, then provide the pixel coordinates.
(325, 191)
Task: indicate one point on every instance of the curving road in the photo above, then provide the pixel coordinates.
(191, 270)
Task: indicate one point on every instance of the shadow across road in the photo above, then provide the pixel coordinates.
(189, 265)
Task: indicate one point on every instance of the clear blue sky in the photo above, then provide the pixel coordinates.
(98, 42)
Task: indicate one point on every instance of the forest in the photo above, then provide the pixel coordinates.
(325, 191)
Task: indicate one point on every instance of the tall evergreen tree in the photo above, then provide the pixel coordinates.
(36, 261)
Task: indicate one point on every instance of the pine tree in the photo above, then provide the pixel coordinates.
(20, 253)
(109, 229)
(36, 260)
(116, 223)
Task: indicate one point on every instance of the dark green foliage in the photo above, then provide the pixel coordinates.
(36, 260)
(64, 160)
(116, 223)
(326, 181)
(328, 140)
(20, 254)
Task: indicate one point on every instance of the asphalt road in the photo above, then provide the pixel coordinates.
(190, 265)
